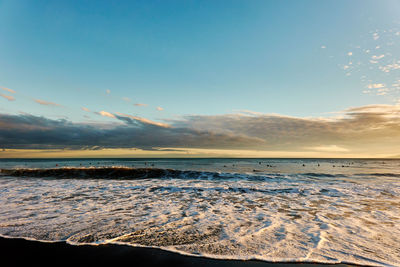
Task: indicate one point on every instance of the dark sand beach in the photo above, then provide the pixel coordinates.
(20, 251)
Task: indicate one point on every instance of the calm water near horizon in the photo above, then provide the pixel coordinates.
(318, 210)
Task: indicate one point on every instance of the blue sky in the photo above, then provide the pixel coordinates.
(177, 58)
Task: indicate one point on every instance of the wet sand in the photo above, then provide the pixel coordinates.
(19, 251)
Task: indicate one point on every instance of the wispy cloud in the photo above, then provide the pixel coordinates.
(129, 118)
(46, 103)
(376, 53)
(159, 108)
(8, 97)
(108, 91)
(127, 99)
(105, 114)
(140, 105)
(328, 148)
(375, 85)
(8, 90)
(378, 57)
(85, 109)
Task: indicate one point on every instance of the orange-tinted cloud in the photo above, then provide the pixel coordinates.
(8, 90)
(8, 97)
(46, 103)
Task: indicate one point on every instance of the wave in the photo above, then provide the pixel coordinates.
(131, 173)
(103, 173)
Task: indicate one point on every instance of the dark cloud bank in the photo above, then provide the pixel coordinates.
(362, 129)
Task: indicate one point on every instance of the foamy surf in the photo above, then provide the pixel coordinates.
(277, 217)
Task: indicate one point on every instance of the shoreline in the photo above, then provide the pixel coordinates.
(22, 251)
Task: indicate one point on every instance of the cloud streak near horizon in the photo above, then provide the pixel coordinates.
(360, 129)
(46, 103)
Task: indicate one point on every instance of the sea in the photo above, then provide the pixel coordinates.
(276, 210)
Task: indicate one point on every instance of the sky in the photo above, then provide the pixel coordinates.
(200, 78)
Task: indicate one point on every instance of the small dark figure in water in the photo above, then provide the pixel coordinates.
(259, 162)
(318, 164)
(304, 165)
(152, 164)
(333, 166)
(56, 165)
(224, 165)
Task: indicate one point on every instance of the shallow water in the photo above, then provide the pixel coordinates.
(275, 210)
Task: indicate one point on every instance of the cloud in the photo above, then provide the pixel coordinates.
(8, 97)
(108, 91)
(323, 46)
(105, 114)
(8, 90)
(46, 103)
(375, 85)
(140, 105)
(381, 56)
(127, 99)
(159, 108)
(389, 67)
(134, 119)
(32, 132)
(85, 109)
(329, 148)
(357, 130)
(378, 57)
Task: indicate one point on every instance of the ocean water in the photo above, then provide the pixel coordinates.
(300, 210)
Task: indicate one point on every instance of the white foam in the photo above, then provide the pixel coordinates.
(328, 220)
